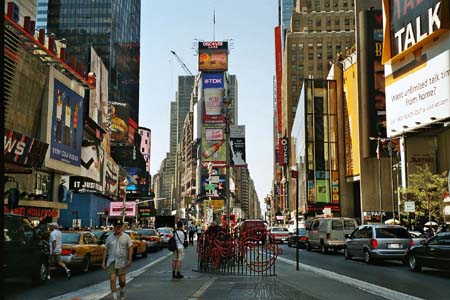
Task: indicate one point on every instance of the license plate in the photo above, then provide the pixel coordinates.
(394, 246)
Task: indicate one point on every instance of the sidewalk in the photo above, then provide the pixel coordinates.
(289, 284)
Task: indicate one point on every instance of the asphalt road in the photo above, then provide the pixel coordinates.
(428, 284)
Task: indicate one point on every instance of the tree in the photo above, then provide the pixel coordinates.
(427, 190)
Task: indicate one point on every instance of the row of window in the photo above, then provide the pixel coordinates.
(318, 4)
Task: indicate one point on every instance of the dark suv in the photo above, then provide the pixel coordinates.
(26, 253)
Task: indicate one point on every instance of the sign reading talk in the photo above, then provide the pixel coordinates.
(414, 21)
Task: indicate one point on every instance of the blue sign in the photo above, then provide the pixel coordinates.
(213, 80)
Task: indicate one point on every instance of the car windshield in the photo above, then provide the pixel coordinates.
(98, 233)
(391, 232)
(70, 238)
(301, 231)
(349, 225)
(164, 230)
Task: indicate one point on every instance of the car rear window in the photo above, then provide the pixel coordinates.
(336, 225)
(146, 232)
(349, 224)
(391, 232)
(70, 238)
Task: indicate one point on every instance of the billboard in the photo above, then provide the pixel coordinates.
(98, 97)
(212, 106)
(119, 115)
(23, 150)
(67, 126)
(91, 160)
(417, 91)
(237, 145)
(111, 177)
(213, 56)
(116, 209)
(412, 24)
(279, 77)
(213, 80)
(213, 146)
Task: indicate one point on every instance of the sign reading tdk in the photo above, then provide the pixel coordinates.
(212, 80)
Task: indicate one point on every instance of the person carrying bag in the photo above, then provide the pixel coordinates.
(178, 254)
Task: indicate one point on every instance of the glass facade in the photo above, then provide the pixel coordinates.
(112, 27)
(314, 138)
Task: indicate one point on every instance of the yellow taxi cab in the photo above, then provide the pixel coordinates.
(140, 246)
(81, 249)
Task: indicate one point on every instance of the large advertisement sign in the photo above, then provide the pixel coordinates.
(284, 151)
(212, 106)
(213, 56)
(111, 175)
(119, 115)
(91, 160)
(24, 150)
(213, 146)
(66, 133)
(98, 102)
(419, 96)
(237, 145)
(213, 80)
(411, 24)
(279, 78)
(116, 209)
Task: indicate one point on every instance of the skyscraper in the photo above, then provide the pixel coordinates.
(112, 27)
(41, 14)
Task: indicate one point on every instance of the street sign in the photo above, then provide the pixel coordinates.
(210, 187)
(410, 206)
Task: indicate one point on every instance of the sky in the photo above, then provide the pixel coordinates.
(177, 26)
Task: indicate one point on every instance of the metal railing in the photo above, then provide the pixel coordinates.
(252, 253)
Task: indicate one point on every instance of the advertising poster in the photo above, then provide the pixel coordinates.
(213, 56)
(111, 175)
(212, 189)
(213, 146)
(98, 101)
(213, 80)
(116, 209)
(323, 191)
(237, 145)
(67, 126)
(212, 106)
(119, 114)
(91, 160)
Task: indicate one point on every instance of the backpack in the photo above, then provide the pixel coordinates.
(172, 244)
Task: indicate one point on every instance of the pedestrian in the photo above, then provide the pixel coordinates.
(119, 254)
(191, 233)
(55, 248)
(178, 255)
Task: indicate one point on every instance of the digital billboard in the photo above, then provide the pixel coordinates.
(119, 115)
(116, 209)
(213, 56)
(213, 80)
(91, 160)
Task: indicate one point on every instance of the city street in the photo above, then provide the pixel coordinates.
(320, 277)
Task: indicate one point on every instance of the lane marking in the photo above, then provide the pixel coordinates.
(101, 289)
(362, 285)
(202, 289)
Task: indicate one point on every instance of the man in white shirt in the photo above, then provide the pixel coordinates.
(178, 255)
(119, 253)
(55, 247)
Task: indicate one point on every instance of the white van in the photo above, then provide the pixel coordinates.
(329, 233)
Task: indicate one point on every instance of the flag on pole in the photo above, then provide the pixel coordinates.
(214, 17)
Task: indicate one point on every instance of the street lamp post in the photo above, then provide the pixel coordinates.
(379, 139)
(294, 174)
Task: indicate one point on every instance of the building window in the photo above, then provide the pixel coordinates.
(143, 149)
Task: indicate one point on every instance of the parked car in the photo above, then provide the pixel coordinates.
(165, 233)
(152, 237)
(301, 236)
(25, 252)
(378, 242)
(140, 246)
(433, 253)
(81, 249)
(329, 233)
(417, 237)
(279, 234)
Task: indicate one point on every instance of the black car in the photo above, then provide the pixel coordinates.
(26, 253)
(301, 236)
(433, 253)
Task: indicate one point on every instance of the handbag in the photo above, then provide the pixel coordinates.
(172, 244)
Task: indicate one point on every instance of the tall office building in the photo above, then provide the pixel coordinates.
(286, 9)
(183, 98)
(112, 27)
(319, 31)
(146, 146)
(41, 14)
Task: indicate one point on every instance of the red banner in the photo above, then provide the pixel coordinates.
(278, 74)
